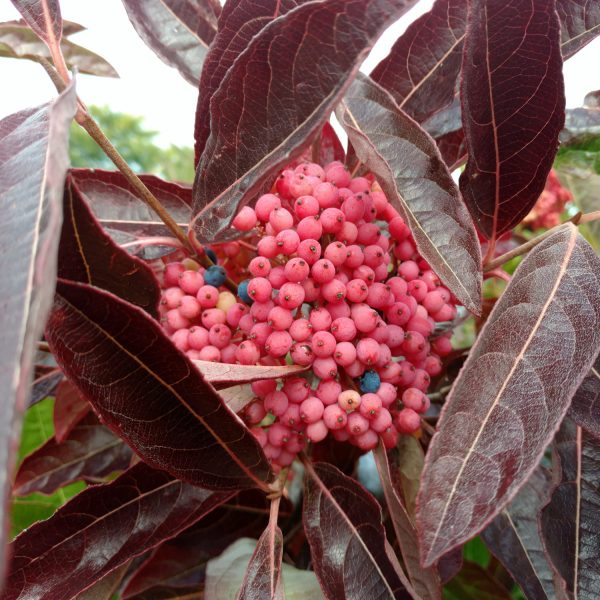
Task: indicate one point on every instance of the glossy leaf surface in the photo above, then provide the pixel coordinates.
(179, 31)
(514, 539)
(417, 183)
(422, 67)
(102, 528)
(151, 391)
(33, 162)
(18, 41)
(69, 408)
(276, 96)
(263, 575)
(88, 255)
(43, 16)
(426, 582)
(513, 106)
(538, 344)
(90, 451)
(569, 523)
(585, 406)
(116, 205)
(180, 563)
(342, 522)
(239, 22)
(580, 24)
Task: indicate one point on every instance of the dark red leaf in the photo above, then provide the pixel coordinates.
(538, 344)
(88, 255)
(44, 386)
(276, 96)
(418, 184)
(116, 205)
(43, 16)
(33, 162)
(423, 65)
(580, 24)
(179, 31)
(263, 575)
(239, 22)
(426, 582)
(513, 107)
(450, 564)
(225, 374)
(152, 396)
(569, 523)
(69, 408)
(514, 539)
(180, 563)
(102, 528)
(445, 127)
(585, 407)
(329, 148)
(342, 522)
(107, 587)
(90, 451)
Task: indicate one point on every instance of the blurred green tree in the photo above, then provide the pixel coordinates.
(135, 143)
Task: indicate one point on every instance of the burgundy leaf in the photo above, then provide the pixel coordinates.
(102, 528)
(33, 162)
(69, 408)
(580, 24)
(115, 203)
(585, 406)
(422, 67)
(538, 344)
(107, 587)
(152, 396)
(44, 386)
(418, 184)
(426, 582)
(514, 539)
(450, 564)
(329, 148)
(239, 22)
(342, 522)
(569, 523)
(445, 127)
(88, 255)
(513, 107)
(219, 373)
(43, 16)
(406, 461)
(179, 31)
(17, 40)
(90, 451)
(181, 562)
(276, 96)
(475, 583)
(263, 575)
(592, 99)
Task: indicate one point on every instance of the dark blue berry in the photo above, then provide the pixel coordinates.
(370, 382)
(215, 275)
(210, 253)
(242, 292)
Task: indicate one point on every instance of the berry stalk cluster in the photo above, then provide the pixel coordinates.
(330, 279)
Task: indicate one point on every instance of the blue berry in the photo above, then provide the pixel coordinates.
(242, 292)
(211, 254)
(215, 276)
(370, 382)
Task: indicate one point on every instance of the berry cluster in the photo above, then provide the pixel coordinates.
(550, 205)
(332, 281)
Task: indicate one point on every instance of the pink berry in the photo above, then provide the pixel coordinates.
(219, 335)
(267, 247)
(296, 388)
(334, 417)
(367, 441)
(356, 369)
(279, 434)
(309, 228)
(176, 320)
(370, 406)
(291, 295)
(338, 175)
(442, 345)
(287, 241)
(247, 353)
(328, 391)
(368, 234)
(365, 273)
(302, 354)
(181, 339)
(306, 206)
(364, 317)
(357, 290)
(367, 351)
(326, 194)
(254, 413)
(332, 220)
(309, 250)
(210, 353)
(415, 399)
(280, 318)
(354, 257)
(333, 291)
(213, 316)
(190, 282)
(297, 270)
(278, 343)
(320, 319)
(312, 290)
(172, 273)
(291, 417)
(189, 307)
(311, 410)
(407, 421)
(379, 296)
(323, 344)
(265, 205)
(390, 437)
(343, 329)
(347, 234)
(349, 400)
(171, 297)
(276, 403)
(245, 220)
(300, 330)
(263, 387)
(344, 354)
(336, 252)
(417, 289)
(317, 432)
(259, 333)
(208, 296)
(277, 277)
(324, 368)
(259, 266)
(323, 271)
(198, 338)
(260, 310)
(387, 392)
(357, 424)
(259, 289)
(413, 343)
(281, 219)
(300, 186)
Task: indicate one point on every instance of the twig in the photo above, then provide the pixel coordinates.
(427, 427)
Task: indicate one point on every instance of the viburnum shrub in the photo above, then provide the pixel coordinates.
(296, 377)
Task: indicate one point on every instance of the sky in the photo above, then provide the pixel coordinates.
(149, 88)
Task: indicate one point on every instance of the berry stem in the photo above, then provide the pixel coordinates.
(499, 273)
